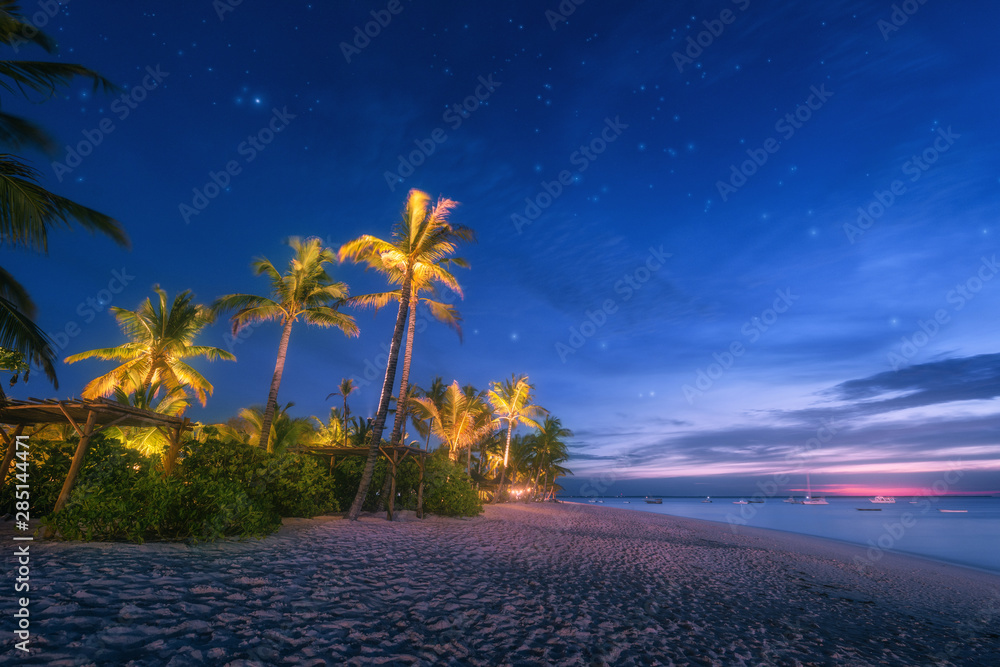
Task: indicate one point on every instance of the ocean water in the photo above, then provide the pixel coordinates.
(970, 538)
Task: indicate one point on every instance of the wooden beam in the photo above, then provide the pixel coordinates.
(11, 441)
(72, 423)
(74, 468)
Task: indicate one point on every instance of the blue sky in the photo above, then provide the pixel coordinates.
(670, 241)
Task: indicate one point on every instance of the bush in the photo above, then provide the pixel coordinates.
(219, 489)
(447, 488)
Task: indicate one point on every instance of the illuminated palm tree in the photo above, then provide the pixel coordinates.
(27, 210)
(285, 431)
(148, 440)
(423, 243)
(460, 421)
(161, 336)
(305, 291)
(344, 389)
(511, 401)
(442, 312)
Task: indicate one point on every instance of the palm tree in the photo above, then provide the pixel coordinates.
(285, 431)
(345, 389)
(161, 337)
(27, 210)
(511, 400)
(461, 419)
(423, 242)
(443, 312)
(332, 431)
(423, 423)
(306, 291)
(148, 440)
(551, 450)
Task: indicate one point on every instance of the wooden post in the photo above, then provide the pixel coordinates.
(175, 447)
(420, 488)
(74, 468)
(11, 441)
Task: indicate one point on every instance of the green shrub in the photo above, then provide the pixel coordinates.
(219, 489)
(447, 488)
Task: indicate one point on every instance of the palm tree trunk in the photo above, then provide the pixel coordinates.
(272, 396)
(401, 402)
(404, 381)
(346, 414)
(383, 407)
(503, 471)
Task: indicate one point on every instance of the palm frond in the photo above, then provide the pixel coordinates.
(20, 334)
(28, 211)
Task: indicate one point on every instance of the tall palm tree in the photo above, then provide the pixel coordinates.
(443, 312)
(423, 242)
(345, 389)
(551, 449)
(161, 336)
(422, 422)
(511, 401)
(305, 291)
(27, 210)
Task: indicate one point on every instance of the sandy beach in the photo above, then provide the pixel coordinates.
(552, 584)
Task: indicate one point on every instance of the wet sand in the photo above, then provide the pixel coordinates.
(539, 584)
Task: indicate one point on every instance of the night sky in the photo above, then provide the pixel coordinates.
(724, 239)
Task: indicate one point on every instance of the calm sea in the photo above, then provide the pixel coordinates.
(970, 537)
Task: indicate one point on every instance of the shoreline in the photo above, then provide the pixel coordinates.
(833, 540)
(523, 584)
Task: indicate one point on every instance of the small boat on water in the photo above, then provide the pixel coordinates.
(809, 500)
(627, 502)
(791, 500)
(654, 501)
(740, 502)
(954, 511)
(882, 500)
(707, 499)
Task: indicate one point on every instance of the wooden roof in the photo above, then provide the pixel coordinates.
(75, 411)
